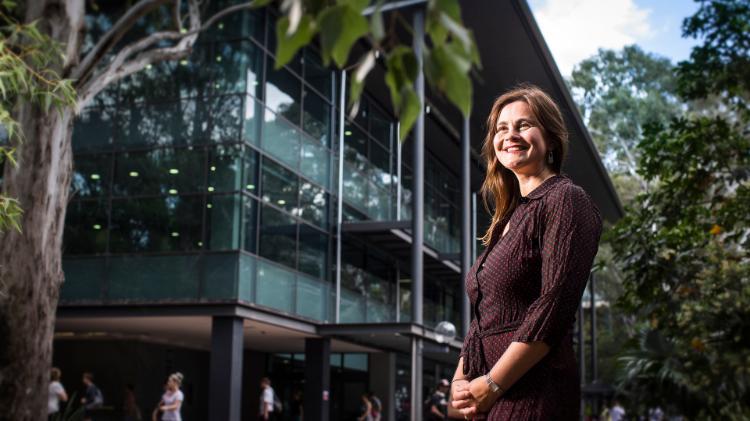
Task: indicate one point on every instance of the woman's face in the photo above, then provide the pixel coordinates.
(519, 143)
(171, 384)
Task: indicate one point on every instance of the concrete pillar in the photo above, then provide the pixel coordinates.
(383, 382)
(225, 376)
(317, 379)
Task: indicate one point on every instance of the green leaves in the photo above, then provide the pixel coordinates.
(340, 27)
(402, 69)
(449, 49)
(288, 44)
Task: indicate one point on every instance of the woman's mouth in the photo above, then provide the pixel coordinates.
(515, 149)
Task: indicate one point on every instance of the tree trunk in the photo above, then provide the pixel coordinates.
(30, 261)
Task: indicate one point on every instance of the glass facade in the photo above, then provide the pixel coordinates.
(214, 178)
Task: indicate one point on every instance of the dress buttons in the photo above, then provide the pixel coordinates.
(524, 200)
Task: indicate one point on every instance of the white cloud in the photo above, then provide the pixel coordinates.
(575, 29)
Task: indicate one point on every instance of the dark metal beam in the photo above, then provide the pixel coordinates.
(225, 376)
(317, 379)
(394, 5)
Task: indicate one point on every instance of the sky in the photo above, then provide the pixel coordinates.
(575, 29)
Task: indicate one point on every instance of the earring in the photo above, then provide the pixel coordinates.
(550, 158)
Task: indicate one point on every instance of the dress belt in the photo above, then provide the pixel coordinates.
(474, 364)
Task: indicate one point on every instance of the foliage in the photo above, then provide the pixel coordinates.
(721, 65)
(449, 52)
(27, 61)
(618, 93)
(683, 247)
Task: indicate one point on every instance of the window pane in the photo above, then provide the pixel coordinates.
(251, 120)
(311, 298)
(315, 162)
(223, 222)
(231, 168)
(91, 175)
(280, 186)
(316, 74)
(161, 171)
(283, 93)
(275, 286)
(281, 139)
(278, 234)
(156, 224)
(316, 119)
(313, 252)
(314, 204)
(238, 67)
(380, 126)
(85, 227)
(226, 118)
(355, 147)
(380, 159)
(93, 129)
(355, 187)
(168, 124)
(240, 24)
(250, 224)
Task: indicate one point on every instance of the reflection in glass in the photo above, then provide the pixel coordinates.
(250, 224)
(279, 186)
(171, 223)
(316, 120)
(281, 139)
(241, 24)
(278, 234)
(251, 121)
(160, 171)
(85, 227)
(313, 252)
(226, 112)
(93, 129)
(316, 74)
(238, 66)
(223, 213)
(275, 286)
(313, 204)
(91, 175)
(283, 93)
(315, 162)
(169, 124)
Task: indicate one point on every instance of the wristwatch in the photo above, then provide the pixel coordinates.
(494, 387)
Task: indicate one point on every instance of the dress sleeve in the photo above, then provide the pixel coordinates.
(570, 238)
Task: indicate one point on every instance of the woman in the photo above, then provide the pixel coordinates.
(56, 392)
(518, 361)
(365, 409)
(171, 400)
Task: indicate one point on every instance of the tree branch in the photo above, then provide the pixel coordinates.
(109, 39)
(123, 65)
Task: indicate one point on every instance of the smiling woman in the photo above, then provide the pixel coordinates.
(517, 361)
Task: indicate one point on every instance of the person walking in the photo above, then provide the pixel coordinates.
(171, 401)
(267, 400)
(56, 392)
(517, 360)
(438, 404)
(365, 408)
(92, 398)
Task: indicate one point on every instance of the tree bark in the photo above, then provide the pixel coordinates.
(31, 260)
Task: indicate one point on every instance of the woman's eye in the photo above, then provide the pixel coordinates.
(524, 126)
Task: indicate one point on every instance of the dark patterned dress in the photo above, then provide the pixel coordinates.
(526, 287)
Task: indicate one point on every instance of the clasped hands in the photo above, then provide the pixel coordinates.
(472, 397)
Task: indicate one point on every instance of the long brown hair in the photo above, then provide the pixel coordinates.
(500, 185)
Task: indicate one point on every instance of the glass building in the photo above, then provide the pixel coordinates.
(229, 221)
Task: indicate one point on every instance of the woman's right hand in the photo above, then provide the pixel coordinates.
(460, 395)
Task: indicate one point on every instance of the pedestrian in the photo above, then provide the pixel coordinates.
(617, 413)
(297, 405)
(92, 398)
(438, 402)
(56, 392)
(365, 408)
(171, 400)
(517, 360)
(268, 400)
(377, 406)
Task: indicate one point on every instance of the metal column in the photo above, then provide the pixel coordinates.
(340, 193)
(317, 379)
(417, 224)
(581, 345)
(466, 209)
(225, 375)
